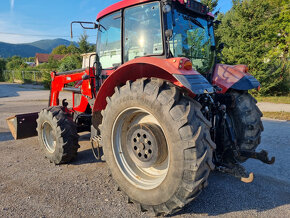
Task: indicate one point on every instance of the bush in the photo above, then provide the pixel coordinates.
(70, 63)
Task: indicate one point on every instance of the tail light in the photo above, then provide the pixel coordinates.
(187, 65)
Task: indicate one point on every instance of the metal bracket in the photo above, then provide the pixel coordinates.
(83, 23)
(262, 156)
(237, 171)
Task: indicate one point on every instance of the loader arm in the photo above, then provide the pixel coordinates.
(85, 85)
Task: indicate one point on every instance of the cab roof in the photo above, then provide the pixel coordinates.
(119, 5)
(127, 3)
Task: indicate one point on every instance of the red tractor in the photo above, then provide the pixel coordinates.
(156, 100)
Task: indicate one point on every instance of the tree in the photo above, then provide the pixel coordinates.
(254, 33)
(15, 62)
(60, 50)
(72, 49)
(2, 68)
(84, 45)
(212, 4)
(70, 63)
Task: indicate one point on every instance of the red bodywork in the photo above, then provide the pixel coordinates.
(127, 3)
(118, 6)
(143, 67)
(225, 76)
(58, 83)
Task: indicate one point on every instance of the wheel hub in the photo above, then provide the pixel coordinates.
(146, 144)
(48, 137)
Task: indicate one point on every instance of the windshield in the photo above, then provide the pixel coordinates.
(192, 38)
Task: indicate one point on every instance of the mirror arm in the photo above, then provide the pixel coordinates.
(95, 26)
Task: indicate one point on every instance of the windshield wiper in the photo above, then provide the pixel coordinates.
(193, 20)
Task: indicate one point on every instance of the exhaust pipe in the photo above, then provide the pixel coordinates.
(23, 125)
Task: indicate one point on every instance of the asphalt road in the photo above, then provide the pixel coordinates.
(30, 186)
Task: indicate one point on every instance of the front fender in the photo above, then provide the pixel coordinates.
(234, 77)
(146, 67)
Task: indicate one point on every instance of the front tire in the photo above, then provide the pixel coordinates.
(171, 170)
(57, 135)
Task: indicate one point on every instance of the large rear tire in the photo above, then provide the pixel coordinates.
(57, 135)
(246, 117)
(157, 145)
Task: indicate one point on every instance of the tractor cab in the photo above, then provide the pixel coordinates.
(163, 29)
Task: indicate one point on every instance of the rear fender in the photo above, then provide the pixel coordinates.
(146, 67)
(234, 77)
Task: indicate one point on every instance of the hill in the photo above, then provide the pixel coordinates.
(29, 49)
(49, 44)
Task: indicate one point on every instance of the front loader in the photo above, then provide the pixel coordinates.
(164, 111)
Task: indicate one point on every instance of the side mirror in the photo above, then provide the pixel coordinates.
(216, 13)
(217, 22)
(221, 46)
(84, 25)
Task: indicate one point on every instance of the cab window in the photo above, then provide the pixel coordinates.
(142, 31)
(109, 41)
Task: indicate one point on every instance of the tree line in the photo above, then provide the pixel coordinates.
(254, 32)
(72, 60)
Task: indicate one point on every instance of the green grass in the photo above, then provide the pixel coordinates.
(277, 115)
(274, 99)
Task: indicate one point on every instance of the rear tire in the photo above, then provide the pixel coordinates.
(181, 171)
(57, 135)
(246, 117)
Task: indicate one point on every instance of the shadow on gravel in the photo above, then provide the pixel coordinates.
(11, 90)
(226, 194)
(86, 157)
(6, 136)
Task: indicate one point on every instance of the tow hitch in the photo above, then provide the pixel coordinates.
(262, 156)
(239, 171)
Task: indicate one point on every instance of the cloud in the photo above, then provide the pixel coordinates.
(12, 4)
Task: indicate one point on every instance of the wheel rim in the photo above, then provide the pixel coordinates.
(141, 168)
(48, 137)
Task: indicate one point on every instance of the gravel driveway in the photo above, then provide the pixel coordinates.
(30, 186)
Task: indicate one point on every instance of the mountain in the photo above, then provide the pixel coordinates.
(49, 44)
(29, 49)
(23, 50)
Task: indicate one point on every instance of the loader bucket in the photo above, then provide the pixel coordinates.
(23, 125)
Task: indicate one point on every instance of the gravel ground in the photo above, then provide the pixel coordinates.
(30, 186)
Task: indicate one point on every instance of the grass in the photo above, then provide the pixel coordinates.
(277, 115)
(274, 99)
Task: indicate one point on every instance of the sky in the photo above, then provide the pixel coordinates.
(23, 21)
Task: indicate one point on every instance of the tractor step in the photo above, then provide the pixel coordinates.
(23, 125)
